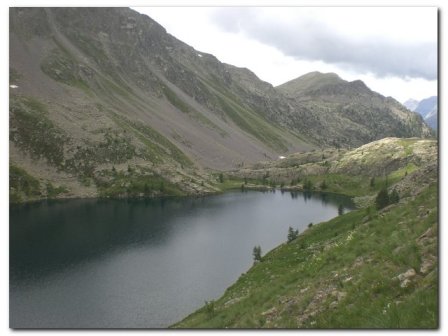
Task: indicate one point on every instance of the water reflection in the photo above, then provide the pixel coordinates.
(143, 263)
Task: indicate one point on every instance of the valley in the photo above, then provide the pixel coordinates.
(165, 152)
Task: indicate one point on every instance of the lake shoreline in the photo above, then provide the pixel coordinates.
(135, 251)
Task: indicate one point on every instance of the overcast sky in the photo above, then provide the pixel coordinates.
(393, 50)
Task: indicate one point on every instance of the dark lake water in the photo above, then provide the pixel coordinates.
(142, 263)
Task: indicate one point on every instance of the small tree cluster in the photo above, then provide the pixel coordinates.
(210, 308)
(295, 181)
(383, 198)
(257, 253)
(394, 197)
(323, 185)
(340, 209)
(292, 234)
(308, 185)
(221, 178)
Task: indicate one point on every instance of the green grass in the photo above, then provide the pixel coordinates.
(158, 147)
(348, 185)
(22, 186)
(132, 184)
(244, 117)
(185, 108)
(347, 255)
(229, 182)
(60, 66)
(116, 147)
(32, 131)
(251, 123)
(175, 100)
(53, 192)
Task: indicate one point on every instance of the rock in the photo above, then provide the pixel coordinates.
(425, 237)
(358, 262)
(397, 250)
(405, 283)
(333, 305)
(406, 275)
(232, 301)
(427, 264)
(270, 312)
(339, 295)
(303, 290)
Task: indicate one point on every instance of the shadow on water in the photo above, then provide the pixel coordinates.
(143, 263)
(66, 232)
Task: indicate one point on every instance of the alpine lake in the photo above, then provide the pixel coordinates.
(92, 263)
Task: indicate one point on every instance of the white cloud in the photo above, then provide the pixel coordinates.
(393, 27)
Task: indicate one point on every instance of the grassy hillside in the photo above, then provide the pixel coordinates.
(370, 268)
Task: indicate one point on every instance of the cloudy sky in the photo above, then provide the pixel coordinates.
(393, 50)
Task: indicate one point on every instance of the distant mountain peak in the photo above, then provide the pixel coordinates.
(322, 83)
(411, 104)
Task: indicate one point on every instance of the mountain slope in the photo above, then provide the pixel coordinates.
(349, 113)
(112, 80)
(104, 102)
(344, 273)
(428, 110)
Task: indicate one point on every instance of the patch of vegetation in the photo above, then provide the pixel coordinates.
(22, 186)
(384, 198)
(90, 47)
(53, 192)
(158, 147)
(185, 108)
(251, 124)
(292, 234)
(60, 66)
(352, 185)
(32, 131)
(134, 184)
(112, 87)
(256, 253)
(175, 100)
(342, 274)
(401, 172)
(116, 147)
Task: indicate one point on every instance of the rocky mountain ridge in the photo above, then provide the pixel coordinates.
(427, 108)
(103, 101)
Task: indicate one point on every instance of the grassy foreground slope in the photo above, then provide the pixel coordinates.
(365, 269)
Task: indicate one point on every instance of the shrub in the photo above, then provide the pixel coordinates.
(257, 253)
(382, 199)
(394, 197)
(210, 308)
(292, 234)
(323, 185)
